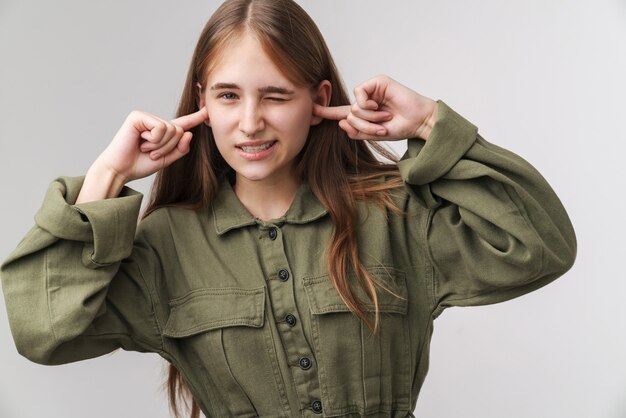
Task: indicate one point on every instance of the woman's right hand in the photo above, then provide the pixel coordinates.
(143, 145)
(146, 144)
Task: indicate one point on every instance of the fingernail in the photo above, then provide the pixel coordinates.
(380, 132)
(156, 156)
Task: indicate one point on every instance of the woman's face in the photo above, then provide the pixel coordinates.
(260, 120)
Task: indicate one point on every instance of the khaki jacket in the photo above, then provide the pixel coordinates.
(245, 309)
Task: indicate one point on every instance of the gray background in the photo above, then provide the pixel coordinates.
(542, 78)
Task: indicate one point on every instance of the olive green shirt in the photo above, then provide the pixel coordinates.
(245, 309)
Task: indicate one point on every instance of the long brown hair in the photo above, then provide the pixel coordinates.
(340, 171)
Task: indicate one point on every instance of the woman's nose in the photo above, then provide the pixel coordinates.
(251, 119)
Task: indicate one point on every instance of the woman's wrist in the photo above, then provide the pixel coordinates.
(100, 183)
(423, 131)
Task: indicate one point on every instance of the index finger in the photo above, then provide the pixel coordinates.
(193, 119)
(331, 112)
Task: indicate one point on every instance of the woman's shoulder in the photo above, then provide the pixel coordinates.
(391, 200)
(403, 195)
(167, 223)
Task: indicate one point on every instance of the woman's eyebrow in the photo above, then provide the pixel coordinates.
(274, 89)
(266, 89)
(220, 86)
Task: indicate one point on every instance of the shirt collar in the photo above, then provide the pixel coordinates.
(229, 213)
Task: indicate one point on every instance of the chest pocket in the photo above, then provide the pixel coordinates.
(359, 372)
(220, 339)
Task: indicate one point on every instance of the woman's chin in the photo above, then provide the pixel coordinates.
(254, 175)
(264, 174)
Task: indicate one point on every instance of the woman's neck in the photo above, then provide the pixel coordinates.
(267, 199)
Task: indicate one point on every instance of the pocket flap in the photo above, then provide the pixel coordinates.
(205, 309)
(324, 298)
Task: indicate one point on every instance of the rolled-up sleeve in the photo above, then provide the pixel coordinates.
(496, 228)
(74, 287)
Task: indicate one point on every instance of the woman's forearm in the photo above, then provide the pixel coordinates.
(100, 183)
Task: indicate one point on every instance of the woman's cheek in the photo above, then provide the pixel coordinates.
(220, 120)
(291, 119)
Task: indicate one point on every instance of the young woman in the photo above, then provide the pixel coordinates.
(281, 268)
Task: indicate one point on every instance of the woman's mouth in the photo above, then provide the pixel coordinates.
(256, 151)
(257, 148)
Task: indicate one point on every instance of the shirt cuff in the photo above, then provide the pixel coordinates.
(108, 225)
(449, 140)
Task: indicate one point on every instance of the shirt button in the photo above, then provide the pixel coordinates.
(291, 320)
(316, 406)
(305, 363)
(272, 233)
(283, 275)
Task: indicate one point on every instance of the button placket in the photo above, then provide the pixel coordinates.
(281, 284)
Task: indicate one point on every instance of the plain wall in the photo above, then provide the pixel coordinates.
(544, 79)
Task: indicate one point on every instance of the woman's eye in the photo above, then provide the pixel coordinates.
(228, 96)
(277, 99)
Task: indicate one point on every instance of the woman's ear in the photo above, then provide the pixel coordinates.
(201, 101)
(321, 97)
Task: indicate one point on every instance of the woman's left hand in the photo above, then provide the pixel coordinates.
(384, 110)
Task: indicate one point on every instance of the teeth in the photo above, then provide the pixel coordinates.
(257, 148)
